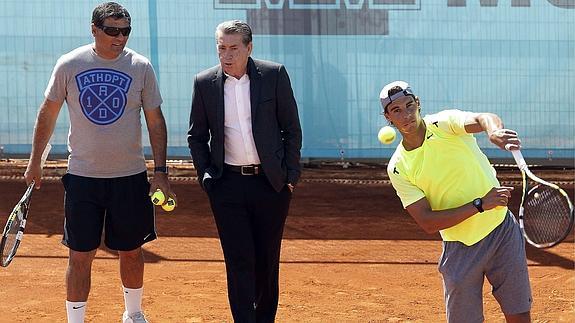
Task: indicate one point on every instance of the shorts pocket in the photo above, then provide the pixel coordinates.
(65, 180)
(441, 262)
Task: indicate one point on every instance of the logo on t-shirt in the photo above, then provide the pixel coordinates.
(103, 94)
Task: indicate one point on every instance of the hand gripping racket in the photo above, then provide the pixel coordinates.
(546, 212)
(14, 229)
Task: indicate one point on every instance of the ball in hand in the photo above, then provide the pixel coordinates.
(386, 135)
(158, 197)
(170, 205)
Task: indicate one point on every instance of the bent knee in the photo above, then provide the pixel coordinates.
(524, 317)
(132, 255)
(81, 259)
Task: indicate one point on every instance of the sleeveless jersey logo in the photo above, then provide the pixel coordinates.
(103, 94)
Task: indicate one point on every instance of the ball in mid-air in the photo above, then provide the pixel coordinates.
(536, 195)
(170, 205)
(386, 135)
(158, 197)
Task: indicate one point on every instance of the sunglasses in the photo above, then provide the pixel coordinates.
(115, 31)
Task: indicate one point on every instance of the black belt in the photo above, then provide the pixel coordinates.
(247, 170)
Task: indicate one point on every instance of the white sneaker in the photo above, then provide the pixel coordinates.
(137, 317)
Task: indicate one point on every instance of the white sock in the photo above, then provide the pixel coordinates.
(133, 299)
(76, 311)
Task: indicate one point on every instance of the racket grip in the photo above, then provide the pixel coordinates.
(45, 155)
(519, 159)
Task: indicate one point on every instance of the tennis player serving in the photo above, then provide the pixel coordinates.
(448, 185)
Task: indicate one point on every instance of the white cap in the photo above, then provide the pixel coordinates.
(384, 97)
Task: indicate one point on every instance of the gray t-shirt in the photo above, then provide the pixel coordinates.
(104, 99)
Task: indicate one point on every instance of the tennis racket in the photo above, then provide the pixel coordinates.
(546, 212)
(14, 229)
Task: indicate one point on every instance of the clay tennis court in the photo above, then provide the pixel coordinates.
(350, 254)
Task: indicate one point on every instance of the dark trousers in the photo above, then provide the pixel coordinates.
(250, 217)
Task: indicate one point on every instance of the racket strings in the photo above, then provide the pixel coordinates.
(547, 215)
(10, 240)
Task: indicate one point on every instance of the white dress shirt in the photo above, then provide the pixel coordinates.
(239, 145)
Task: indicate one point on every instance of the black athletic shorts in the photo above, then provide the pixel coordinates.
(120, 206)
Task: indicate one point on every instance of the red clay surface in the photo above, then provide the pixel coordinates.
(350, 254)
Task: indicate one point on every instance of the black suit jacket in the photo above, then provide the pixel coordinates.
(275, 122)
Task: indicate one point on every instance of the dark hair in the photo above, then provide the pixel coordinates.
(236, 27)
(398, 89)
(109, 10)
(394, 90)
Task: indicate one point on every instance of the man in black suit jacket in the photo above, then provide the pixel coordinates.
(245, 140)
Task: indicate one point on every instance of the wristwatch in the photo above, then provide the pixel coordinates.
(478, 203)
(161, 169)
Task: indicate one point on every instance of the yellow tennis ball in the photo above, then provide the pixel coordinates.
(386, 135)
(170, 205)
(158, 197)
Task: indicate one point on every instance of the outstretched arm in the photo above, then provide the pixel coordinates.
(493, 126)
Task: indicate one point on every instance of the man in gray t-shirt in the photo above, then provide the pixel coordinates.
(106, 86)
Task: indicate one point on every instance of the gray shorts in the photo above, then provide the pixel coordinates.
(501, 258)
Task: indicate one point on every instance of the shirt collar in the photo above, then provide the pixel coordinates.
(245, 78)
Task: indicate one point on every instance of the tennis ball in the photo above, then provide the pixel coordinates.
(170, 205)
(536, 195)
(386, 135)
(158, 197)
